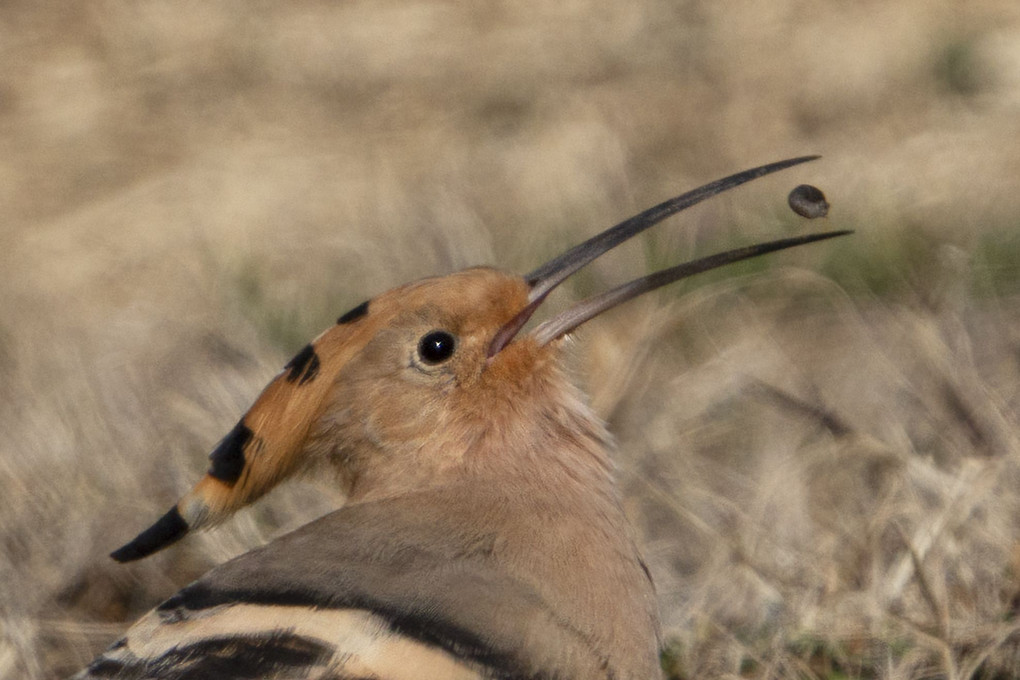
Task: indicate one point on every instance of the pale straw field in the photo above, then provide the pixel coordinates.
(821, 449)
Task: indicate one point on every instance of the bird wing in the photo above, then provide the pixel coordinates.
(390, 590)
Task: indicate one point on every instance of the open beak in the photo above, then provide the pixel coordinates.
(554, 272)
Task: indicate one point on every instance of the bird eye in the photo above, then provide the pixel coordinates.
(435, 347)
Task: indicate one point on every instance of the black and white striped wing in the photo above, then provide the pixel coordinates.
(255, 641)
(379, 590)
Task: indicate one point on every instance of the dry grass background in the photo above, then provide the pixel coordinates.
(822, 451)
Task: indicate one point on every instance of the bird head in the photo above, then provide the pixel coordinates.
(427, 380)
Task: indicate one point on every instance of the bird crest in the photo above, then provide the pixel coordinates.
(416, 342)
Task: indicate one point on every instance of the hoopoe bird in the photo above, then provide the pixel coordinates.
(482, 536)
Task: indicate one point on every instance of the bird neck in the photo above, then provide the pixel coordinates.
(536, 431)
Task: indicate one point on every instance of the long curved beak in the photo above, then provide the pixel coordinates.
(554, 272)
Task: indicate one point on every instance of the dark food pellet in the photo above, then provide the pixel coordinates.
(808, 201)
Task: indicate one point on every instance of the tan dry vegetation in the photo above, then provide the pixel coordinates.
(822, 454)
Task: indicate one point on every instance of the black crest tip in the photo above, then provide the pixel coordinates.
(354, 314)
(168, 529)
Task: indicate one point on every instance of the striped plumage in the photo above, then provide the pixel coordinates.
(482, 536)
(404, 590)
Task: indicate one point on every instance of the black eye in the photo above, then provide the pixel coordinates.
(435, 347)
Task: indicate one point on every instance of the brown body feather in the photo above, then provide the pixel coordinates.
(481, 505)
(481, 536)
